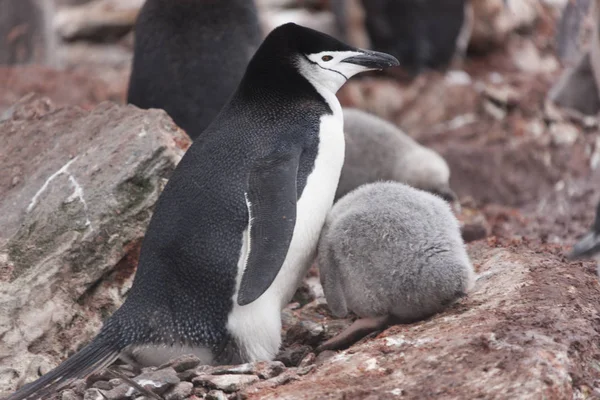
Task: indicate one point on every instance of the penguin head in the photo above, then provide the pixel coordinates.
(321, 59)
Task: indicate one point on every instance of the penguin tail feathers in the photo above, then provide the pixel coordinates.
(100, 353)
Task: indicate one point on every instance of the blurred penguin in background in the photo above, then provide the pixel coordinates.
(421, 34)
(190, 55)
(377, 150)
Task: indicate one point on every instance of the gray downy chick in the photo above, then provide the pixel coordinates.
(377, 150)
(390, 254)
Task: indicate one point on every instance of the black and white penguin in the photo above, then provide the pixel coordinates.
(377, 150)
(190, 55)
(589, 245)
(237, 225)
(390, 254)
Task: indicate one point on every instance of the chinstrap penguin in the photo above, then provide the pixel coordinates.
(190, 55)
(589, 245)
(237, 225)
(377, 150)
(390, 254)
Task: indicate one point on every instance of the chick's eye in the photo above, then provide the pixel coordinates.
(326, 58)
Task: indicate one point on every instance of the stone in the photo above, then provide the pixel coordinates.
(495, 20)
(264, 369)
(70, 395)
(292, 355)
(305, 332)
(216, 395)
(227, 383)
(309, 359)
(180, 391)
(88, 185)
(563, 134)
(268, 369)
(102, 385)
(93, 394)
(473, 224)
(158, 381)
(183, 363)
(123, 391)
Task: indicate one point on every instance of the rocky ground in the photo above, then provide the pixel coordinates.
(527, 176)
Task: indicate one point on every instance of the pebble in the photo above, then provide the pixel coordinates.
(180, 391)
(183, 363)
(70, 395)
(216, 395)
(226, 383)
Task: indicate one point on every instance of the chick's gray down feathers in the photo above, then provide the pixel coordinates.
(389, 249)
(377, 150)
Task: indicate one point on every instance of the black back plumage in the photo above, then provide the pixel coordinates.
(184, 285)
(190, 56)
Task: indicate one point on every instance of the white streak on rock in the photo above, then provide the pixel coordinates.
(62, 170)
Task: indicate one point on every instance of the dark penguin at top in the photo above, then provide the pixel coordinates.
(589, 245)
(190, 55)
(237, 225)
(422, 34)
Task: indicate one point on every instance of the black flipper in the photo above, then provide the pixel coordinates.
(93, 357)
(271, 201)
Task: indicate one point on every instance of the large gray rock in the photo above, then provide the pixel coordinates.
(76, 194)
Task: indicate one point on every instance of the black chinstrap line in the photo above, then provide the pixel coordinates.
(319, 65)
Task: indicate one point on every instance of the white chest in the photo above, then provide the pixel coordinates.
(257, 326)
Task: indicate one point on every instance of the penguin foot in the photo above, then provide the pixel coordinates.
(358, 330)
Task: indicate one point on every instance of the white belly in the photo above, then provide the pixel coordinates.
(257, 326)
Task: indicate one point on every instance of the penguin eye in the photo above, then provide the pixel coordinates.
(326, 58)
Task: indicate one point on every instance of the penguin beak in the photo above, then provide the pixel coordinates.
(372, 60)
(586, 247)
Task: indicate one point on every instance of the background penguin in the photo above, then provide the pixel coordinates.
(237, 225)
(390, 253)
(376, 150)
(190, 55)
(420, 33)
(589, 245)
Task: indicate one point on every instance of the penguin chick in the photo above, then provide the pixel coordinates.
(390, 254)
(376, 150)
(190, 55)
(236, 227)
(589, 245)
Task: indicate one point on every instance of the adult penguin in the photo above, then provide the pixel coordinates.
(237, 225)
(190, 55)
